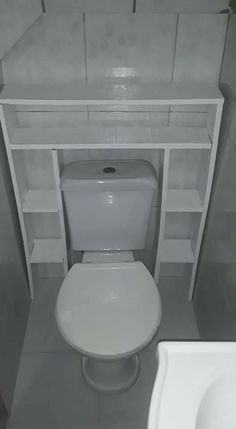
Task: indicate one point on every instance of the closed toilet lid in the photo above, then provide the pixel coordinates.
(108, 310)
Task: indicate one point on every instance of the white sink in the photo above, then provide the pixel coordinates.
(217, 409)
(195, 386)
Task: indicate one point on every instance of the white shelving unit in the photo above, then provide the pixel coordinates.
(42, 125)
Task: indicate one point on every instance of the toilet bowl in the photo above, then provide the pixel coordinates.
(109, 312)
(108, 307)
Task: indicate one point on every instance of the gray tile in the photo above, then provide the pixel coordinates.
(178, 317)
(88, 5)
(180, 6)
(229, 63)
(51, 394)
(50, 52)
(15, 18)
(199, 47)
(42, 334)
(178, 320)
(129, 410)
(122, 46)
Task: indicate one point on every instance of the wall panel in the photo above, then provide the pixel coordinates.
(199, 48)
(181, 6)
(51, 52)
(130, 46)
(16, 16)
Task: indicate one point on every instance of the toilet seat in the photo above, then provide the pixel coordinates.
(109, 310)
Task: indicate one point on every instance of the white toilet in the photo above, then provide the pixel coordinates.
(108, 307)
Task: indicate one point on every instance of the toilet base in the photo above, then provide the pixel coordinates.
(111, 376)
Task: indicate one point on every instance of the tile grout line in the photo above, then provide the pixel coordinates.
(43, 6)
(85, 61)
(224, 49)
(85, 50)
(174, 57)
(49, 352)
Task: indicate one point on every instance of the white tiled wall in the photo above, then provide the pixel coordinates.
(66, 48)
(130, 46)
(52, 51)
(166, 6)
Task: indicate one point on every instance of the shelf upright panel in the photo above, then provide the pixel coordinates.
(163, 212)
(215, 137)
(6, 117)
(56, 167)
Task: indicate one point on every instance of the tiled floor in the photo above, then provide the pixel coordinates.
(50, 391)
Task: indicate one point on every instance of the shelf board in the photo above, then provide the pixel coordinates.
(47, 251)
(183, 200)
(114, 93)
(112, 137)
(176, 251)
(40, 201)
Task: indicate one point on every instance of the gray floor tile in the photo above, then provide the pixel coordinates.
(178, 321)
(42, 334)
(51, 394)
(129, 410)
(178, 318)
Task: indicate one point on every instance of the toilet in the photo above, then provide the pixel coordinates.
(108, 307)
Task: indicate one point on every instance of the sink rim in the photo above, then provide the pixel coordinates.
(224, 354)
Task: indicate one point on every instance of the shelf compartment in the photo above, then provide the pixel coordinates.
(114, 137)
(189, 170)
(40, 201)
(176, 251)
(183, 200)
(47, 251)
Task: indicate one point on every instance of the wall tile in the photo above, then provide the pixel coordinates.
(89, 5)
(229, 64)
(16, 16)
(181, 6)
(199, 48)
(130, 46)
(14, 293)
(1, 76)
(52, 51)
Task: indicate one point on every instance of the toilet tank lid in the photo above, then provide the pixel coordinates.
(124, 174)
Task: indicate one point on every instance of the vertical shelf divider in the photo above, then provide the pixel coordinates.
(215, 137)
(57, 168)
(163, 211)
(5, 116)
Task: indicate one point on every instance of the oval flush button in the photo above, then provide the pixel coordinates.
(109, 170)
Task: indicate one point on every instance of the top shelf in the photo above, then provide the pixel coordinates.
(115, 94)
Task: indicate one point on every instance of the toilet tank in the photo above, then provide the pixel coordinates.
(108, 203)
